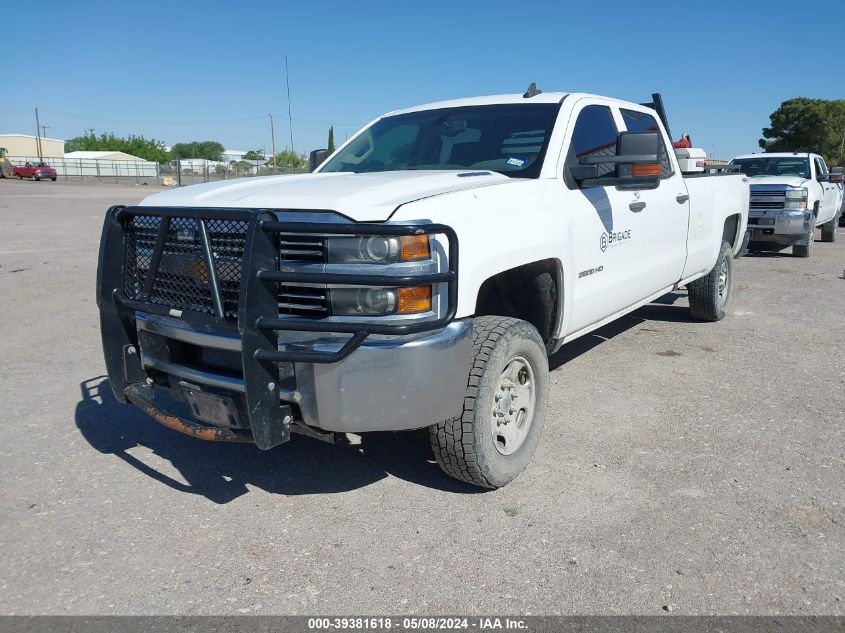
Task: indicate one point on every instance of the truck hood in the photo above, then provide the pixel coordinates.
(363, 197)
(789, 181)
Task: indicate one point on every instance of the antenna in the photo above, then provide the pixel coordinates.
(290, 120)
(532, 91)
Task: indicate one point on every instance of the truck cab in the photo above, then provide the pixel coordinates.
(37, 171)
(791, 195)
(418, 278)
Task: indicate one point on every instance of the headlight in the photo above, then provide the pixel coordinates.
(380, 301)
(796, 199)
(363, 301)
(377, 249)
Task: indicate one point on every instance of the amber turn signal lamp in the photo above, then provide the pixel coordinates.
(651, 169)
(414, 247)
(414, 300)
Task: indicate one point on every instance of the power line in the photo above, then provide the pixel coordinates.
(88, 117)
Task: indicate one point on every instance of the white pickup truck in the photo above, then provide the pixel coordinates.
(791, 195)
(419, 278)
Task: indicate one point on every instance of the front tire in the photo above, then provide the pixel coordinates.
(804, 250)
(829, 229)
(743, 250)
(710, 296)
(492, 441)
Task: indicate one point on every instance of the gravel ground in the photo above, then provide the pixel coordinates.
(688, 466)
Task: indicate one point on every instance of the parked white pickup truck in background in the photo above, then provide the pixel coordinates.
(418, 279)
(791, 195)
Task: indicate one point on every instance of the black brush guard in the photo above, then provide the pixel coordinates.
(258, 320)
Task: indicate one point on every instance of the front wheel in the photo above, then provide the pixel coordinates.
(829, 229)
(710, 296)
(743, 250)
(492, 441)
(804, 250)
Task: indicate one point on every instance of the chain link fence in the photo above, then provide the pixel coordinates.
(178, 173)
(195, 170)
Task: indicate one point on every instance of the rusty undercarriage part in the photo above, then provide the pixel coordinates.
(200, 431)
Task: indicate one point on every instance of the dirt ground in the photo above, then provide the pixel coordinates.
(684, 465)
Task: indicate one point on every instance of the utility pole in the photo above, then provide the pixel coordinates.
(90, 131)
(44, 129)
(38, 136)
(290, 120)
(273, 140)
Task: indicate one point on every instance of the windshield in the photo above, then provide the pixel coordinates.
(785, 166)
(510, 139)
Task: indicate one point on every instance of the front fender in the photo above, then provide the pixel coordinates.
(499, 228)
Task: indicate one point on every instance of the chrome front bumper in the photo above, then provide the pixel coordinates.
(389, 383)
(781, 222)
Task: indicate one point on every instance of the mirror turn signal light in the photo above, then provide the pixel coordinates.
(414, 300)
(414, 247)
(650, 169)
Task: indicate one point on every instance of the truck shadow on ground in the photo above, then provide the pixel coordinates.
(221, 472)
(662, 309)
(786, 251)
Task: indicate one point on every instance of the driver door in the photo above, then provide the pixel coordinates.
(610, 245)
(831, 191)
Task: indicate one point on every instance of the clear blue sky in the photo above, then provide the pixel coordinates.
(183, 71)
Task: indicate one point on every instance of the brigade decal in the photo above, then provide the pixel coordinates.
(613, 238)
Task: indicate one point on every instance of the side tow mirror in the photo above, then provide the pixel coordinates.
(316, 158)
(637, 163)
(836, 174)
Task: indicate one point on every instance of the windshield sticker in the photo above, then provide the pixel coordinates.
(516, 162)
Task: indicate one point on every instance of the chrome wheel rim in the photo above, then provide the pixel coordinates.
(513, 406)
(724, 281)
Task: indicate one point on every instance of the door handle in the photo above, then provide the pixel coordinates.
(681, 198)
(636, 207)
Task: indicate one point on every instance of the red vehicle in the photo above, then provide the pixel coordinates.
(39, 171)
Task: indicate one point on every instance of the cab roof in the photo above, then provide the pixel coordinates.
(515, 98)
(776, 155)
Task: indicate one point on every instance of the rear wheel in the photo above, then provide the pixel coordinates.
(492, 441)
(710, 296)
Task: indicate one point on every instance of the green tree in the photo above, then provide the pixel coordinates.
(330, 146)
(148, 149)
(209, 150)
(808, 125)
(253, 154)
(290, 159)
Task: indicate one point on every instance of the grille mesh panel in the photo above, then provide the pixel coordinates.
(182, 278)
